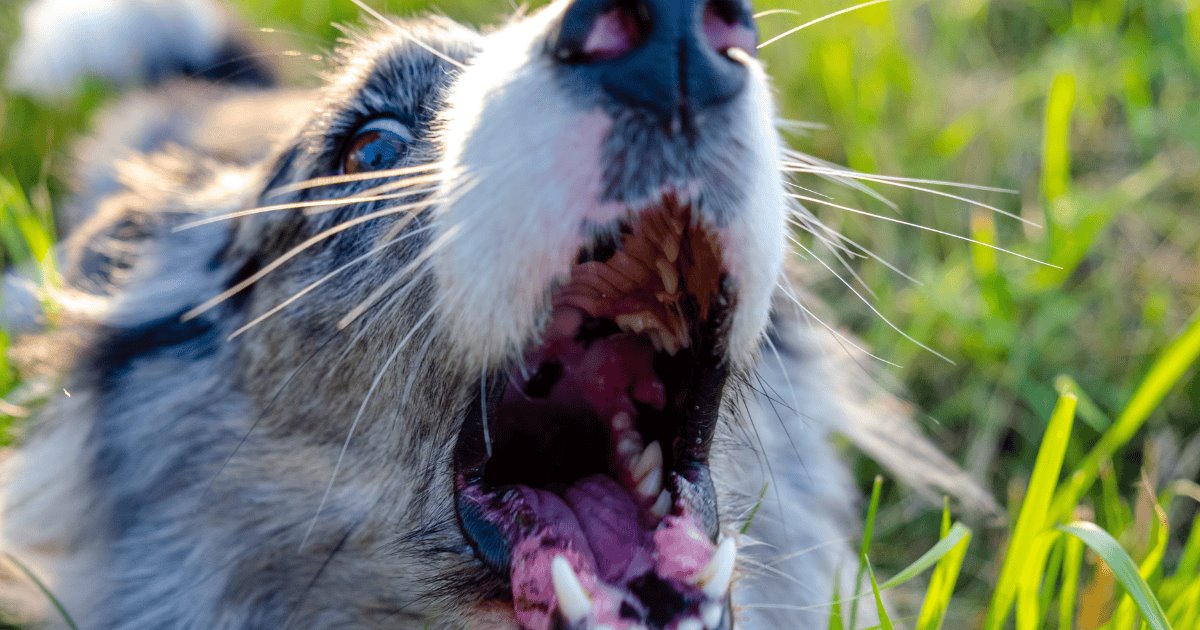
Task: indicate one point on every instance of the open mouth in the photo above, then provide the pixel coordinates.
(582, 478)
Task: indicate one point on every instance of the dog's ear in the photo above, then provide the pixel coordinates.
(132, 43)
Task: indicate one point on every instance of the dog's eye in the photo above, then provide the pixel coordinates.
(376, 145)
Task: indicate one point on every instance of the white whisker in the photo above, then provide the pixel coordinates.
(426, 47)
(326, 205)
(888, 181)
(828, 16)
(323, 279)
(290, 254)
(787, 290)
(330, 180)
(358, 417)
(876, 310)
(923, 227)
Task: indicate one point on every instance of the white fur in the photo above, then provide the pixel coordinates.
(66, 40)
(526, 166)
(754, 244)
(529, 182)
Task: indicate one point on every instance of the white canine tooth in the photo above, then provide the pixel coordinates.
(714, 578)
(689, 624)
(630, 447)
(573, 601)
(669, 275)
(662, 505)
(650, 459)
(604, 626)
(651, 484)
(712, 613)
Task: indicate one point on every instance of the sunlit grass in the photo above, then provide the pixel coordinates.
(1068, 382)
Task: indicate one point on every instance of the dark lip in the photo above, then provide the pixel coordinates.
(689, 479)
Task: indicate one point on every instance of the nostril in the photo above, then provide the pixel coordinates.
(612, 33)
(725, 29)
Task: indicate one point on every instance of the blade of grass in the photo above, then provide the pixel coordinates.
(1149, 566)
(1033, 517)
(1072, 564)
(1168, 368)
(885, 622)
(1123, 567)
(945, 576)
(868, 533)
(957, 534)
(62, 611)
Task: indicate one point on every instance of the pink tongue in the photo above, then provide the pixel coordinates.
(597, 529)
(621, 546)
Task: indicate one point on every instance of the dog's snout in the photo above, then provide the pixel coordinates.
(672, 58)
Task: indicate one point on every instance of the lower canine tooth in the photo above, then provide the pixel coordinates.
(650, 459)
(689, 624)
(573, 601)
(651, 484)
(712, 613)
(662, 505)
(714, 579)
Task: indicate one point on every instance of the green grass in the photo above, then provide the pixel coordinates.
(1073, 391)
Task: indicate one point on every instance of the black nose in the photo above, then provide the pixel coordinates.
(672, 58)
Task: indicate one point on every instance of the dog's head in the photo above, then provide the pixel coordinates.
(494, 295)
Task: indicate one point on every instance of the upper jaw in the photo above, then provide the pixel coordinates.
(581, 472)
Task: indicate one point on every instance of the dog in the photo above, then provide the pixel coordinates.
(491, 329)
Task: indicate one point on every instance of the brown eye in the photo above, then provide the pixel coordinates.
(377, 145)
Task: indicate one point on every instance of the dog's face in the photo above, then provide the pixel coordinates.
(500, 315)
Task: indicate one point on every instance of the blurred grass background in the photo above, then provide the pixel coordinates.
(1090, 110)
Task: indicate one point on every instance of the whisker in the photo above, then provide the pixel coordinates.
(787, 290)
(326, 205)
(805, 219)
(389, 285)
(828, 16)
(913, 180)
(426, 47)
(292, 253)
(330, 180)
(902, 184)
(358, 416)
(923, 227)
(323, 279)
(487, 435)
(845, 264)
(876, 310)
(836, 175)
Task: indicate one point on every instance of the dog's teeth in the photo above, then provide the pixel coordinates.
(629, 447)
(689, 624)
(621, 422)
(662, 505)
(604, 626)
(573, 601)
(670, 249)
(651, 484)
(670, 343)
(657, 339)
(650, 459)
(636, 322)
(669, 275)
(715, 577)
(712, 613)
